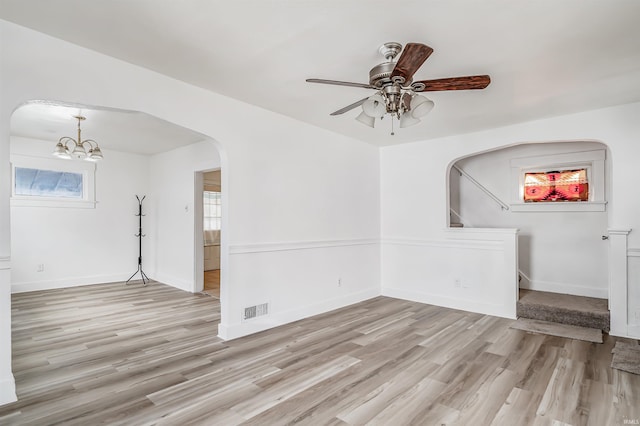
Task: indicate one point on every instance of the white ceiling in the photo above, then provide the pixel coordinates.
(545, 57)
(118, 130)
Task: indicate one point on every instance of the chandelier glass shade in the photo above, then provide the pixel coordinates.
(68, 147)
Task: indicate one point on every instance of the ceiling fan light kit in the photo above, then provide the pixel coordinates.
(366, 119)
(396, 91)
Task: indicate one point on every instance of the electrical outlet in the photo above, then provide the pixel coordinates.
(339, 282)
(456, 283)
(40, 267)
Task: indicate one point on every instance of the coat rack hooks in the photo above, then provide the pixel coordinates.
(145, 279)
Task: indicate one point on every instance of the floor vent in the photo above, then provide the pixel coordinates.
(256, 311)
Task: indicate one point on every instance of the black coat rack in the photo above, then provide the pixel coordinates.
(145, 279)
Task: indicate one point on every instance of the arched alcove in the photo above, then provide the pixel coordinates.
(560, 243)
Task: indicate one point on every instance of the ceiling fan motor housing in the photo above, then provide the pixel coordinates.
(380, 75)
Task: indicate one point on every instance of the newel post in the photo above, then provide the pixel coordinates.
(618, 279)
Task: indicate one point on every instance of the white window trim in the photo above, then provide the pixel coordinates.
(87, 169)
(592, 161)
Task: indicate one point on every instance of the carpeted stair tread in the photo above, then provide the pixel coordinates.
(561, 330)
(568, 309)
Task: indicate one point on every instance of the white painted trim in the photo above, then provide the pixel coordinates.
(564, 288)
(67, 282)
(633, 252)
(179, 283)
(624, 231)
(509, 231)
(448, 302)
(618, 281)
(297, 245)
(87, 169)
(5, 262)
(633, 331)
(234, 331)
(8, 390)
(493, 245)
(592, 161)
(556, 160)
(569, 206)
(48, 203)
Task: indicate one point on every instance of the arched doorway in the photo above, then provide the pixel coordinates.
(70, 244)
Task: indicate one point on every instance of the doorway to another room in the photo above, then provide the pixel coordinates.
(211, 220)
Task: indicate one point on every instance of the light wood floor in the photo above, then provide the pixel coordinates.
(110, 354)
(212, 282)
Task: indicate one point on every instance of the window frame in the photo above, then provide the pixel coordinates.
(591, 161)
(205, 217)
(85, 168)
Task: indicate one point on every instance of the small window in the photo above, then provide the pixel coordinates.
(47, 183)
(212, 210)
(554, 186)
(565, 181)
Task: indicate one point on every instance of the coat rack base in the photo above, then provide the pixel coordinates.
(145, 278)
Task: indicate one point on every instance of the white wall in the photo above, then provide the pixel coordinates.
(171, 212)
(79, 246)
(561, 252)
(414, 189)
(279, 175)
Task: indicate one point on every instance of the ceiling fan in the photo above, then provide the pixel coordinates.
(397, 93)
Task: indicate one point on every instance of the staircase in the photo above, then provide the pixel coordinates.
(567, 309)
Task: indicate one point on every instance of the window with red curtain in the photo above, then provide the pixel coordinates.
(565, 185)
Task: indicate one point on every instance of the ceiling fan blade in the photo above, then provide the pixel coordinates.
(454, 83)
(412, 57)
(349, 107)
(339, 83)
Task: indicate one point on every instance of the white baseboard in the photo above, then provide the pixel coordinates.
(66, 282)
(7, 390)
(234, 331)
(633, 331)
(178, 283)
(553, 287)
(449, 302)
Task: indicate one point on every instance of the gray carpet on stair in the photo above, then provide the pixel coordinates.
(626, 357)
(563, 308)
(561, 330)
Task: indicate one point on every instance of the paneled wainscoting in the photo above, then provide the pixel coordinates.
(132, 355)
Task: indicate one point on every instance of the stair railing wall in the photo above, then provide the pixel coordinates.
(490, 194)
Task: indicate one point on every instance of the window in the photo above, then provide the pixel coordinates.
(565, 185)
(212, 210)
(566, 181)
(48, 182)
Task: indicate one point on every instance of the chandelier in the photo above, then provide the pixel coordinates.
(75, 148)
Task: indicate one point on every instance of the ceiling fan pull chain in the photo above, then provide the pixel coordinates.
(392, 133)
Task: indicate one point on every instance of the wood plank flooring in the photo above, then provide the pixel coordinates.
(212, 283)
(132, 355)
